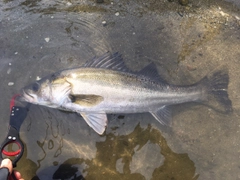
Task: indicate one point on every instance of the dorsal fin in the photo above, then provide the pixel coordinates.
(151, 71)
(108, 61)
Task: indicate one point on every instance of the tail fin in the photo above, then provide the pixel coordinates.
(216, 85)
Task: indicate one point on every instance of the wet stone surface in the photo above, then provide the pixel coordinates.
(186, 42)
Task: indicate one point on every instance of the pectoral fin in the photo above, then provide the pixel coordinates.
(87, 100)
(163, 115)
(97, 121)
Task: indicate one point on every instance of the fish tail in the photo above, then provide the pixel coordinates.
(216, 88)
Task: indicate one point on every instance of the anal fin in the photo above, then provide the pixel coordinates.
(97, 121)
(163, 115)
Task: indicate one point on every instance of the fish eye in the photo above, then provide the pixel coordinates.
(35, 87)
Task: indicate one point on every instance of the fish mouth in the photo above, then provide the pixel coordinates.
(26, 96)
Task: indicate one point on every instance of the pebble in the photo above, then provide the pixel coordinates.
(191, 68)
(16, 53)
(223, 13)
(47, 39)
(9, 71)
(69, 3)
(38, 78)
(117, 14)
(104, 22)
(183, 2)
(10, 83)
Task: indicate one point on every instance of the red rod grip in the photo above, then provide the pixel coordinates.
(12, 102)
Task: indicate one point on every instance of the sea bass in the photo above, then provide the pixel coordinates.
(105, 85)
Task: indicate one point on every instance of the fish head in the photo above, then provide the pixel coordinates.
(38, 92)
(51, 91)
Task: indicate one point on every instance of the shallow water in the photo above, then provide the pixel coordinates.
(185, 42)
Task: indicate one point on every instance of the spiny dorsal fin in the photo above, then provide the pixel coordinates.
(151, 71)
(87, 100)
(108, 61)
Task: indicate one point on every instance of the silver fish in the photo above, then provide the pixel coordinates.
(105, 85)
